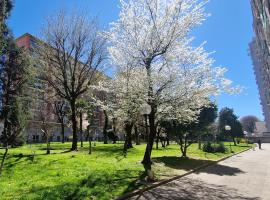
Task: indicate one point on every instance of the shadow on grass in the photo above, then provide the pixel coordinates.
(15, 159)
(190, 163)
(98, 185)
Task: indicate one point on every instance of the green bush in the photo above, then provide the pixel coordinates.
(220, 147)
(207, 147)
(214, 148)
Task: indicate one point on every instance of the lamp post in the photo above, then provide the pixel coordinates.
(145, 111)
(228, 129)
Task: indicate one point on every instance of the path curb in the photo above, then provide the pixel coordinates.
(140, 191)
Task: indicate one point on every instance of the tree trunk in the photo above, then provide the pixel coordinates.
(163, 143)
(90, 144)
(158, 137)
(63, 131)
(157, 140)
(105, 127)
(81, 131)
(114, 130)
(137, 137)
(234, 142)
(128, 141)
(150, 141)
(74, 125)
(200, 142)
(147, 163)
(168, 140)
(48, 145)
(183, 146)
(184, 152)
(3, 160)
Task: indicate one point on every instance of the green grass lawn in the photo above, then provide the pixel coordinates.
(105, 174)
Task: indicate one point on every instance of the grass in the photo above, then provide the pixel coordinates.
(105, 174)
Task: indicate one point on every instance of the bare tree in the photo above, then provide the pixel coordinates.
(249, 122)
(47, 122)
(73, 55)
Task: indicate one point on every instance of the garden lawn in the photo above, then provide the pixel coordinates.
(105, 174)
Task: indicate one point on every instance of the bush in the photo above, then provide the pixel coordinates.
(220, 148)
(214, 148)
(207, 147)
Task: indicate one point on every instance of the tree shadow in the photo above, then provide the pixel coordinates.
(221, 170)
(188, 164)
(14, 159)
(181, 163)
(192, 189)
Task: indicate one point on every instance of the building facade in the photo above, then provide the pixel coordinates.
(40, 93)
(260, 53)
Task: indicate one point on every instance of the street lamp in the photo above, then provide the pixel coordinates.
(228, 129)
(145, 110)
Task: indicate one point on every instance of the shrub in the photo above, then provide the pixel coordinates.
(214, 148)
(220, 148)
(207, 147)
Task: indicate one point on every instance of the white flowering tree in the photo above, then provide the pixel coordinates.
(125, 94)
(151, 39)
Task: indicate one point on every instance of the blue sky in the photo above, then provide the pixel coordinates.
(228, 32)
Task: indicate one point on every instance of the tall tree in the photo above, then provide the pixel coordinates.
(5, 8)
(207, 116)
(14, 76)
(73, 54)
(152, 37)
(227, 117)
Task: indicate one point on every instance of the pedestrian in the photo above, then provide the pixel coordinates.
(260, 144)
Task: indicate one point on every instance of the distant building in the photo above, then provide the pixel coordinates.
(260, 53)
(260, 129)
(39, 92)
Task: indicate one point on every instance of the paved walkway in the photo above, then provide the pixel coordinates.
(245, 176)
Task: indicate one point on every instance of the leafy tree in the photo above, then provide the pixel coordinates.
(73, 55)
(248, 123)
(207, 116)
(5, 8)
(14, 77)
(227, 117)
(184, 134)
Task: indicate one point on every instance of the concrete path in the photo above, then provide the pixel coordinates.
(245, 176)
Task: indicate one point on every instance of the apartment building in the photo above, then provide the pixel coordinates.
(260, 53)
(40, 92)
